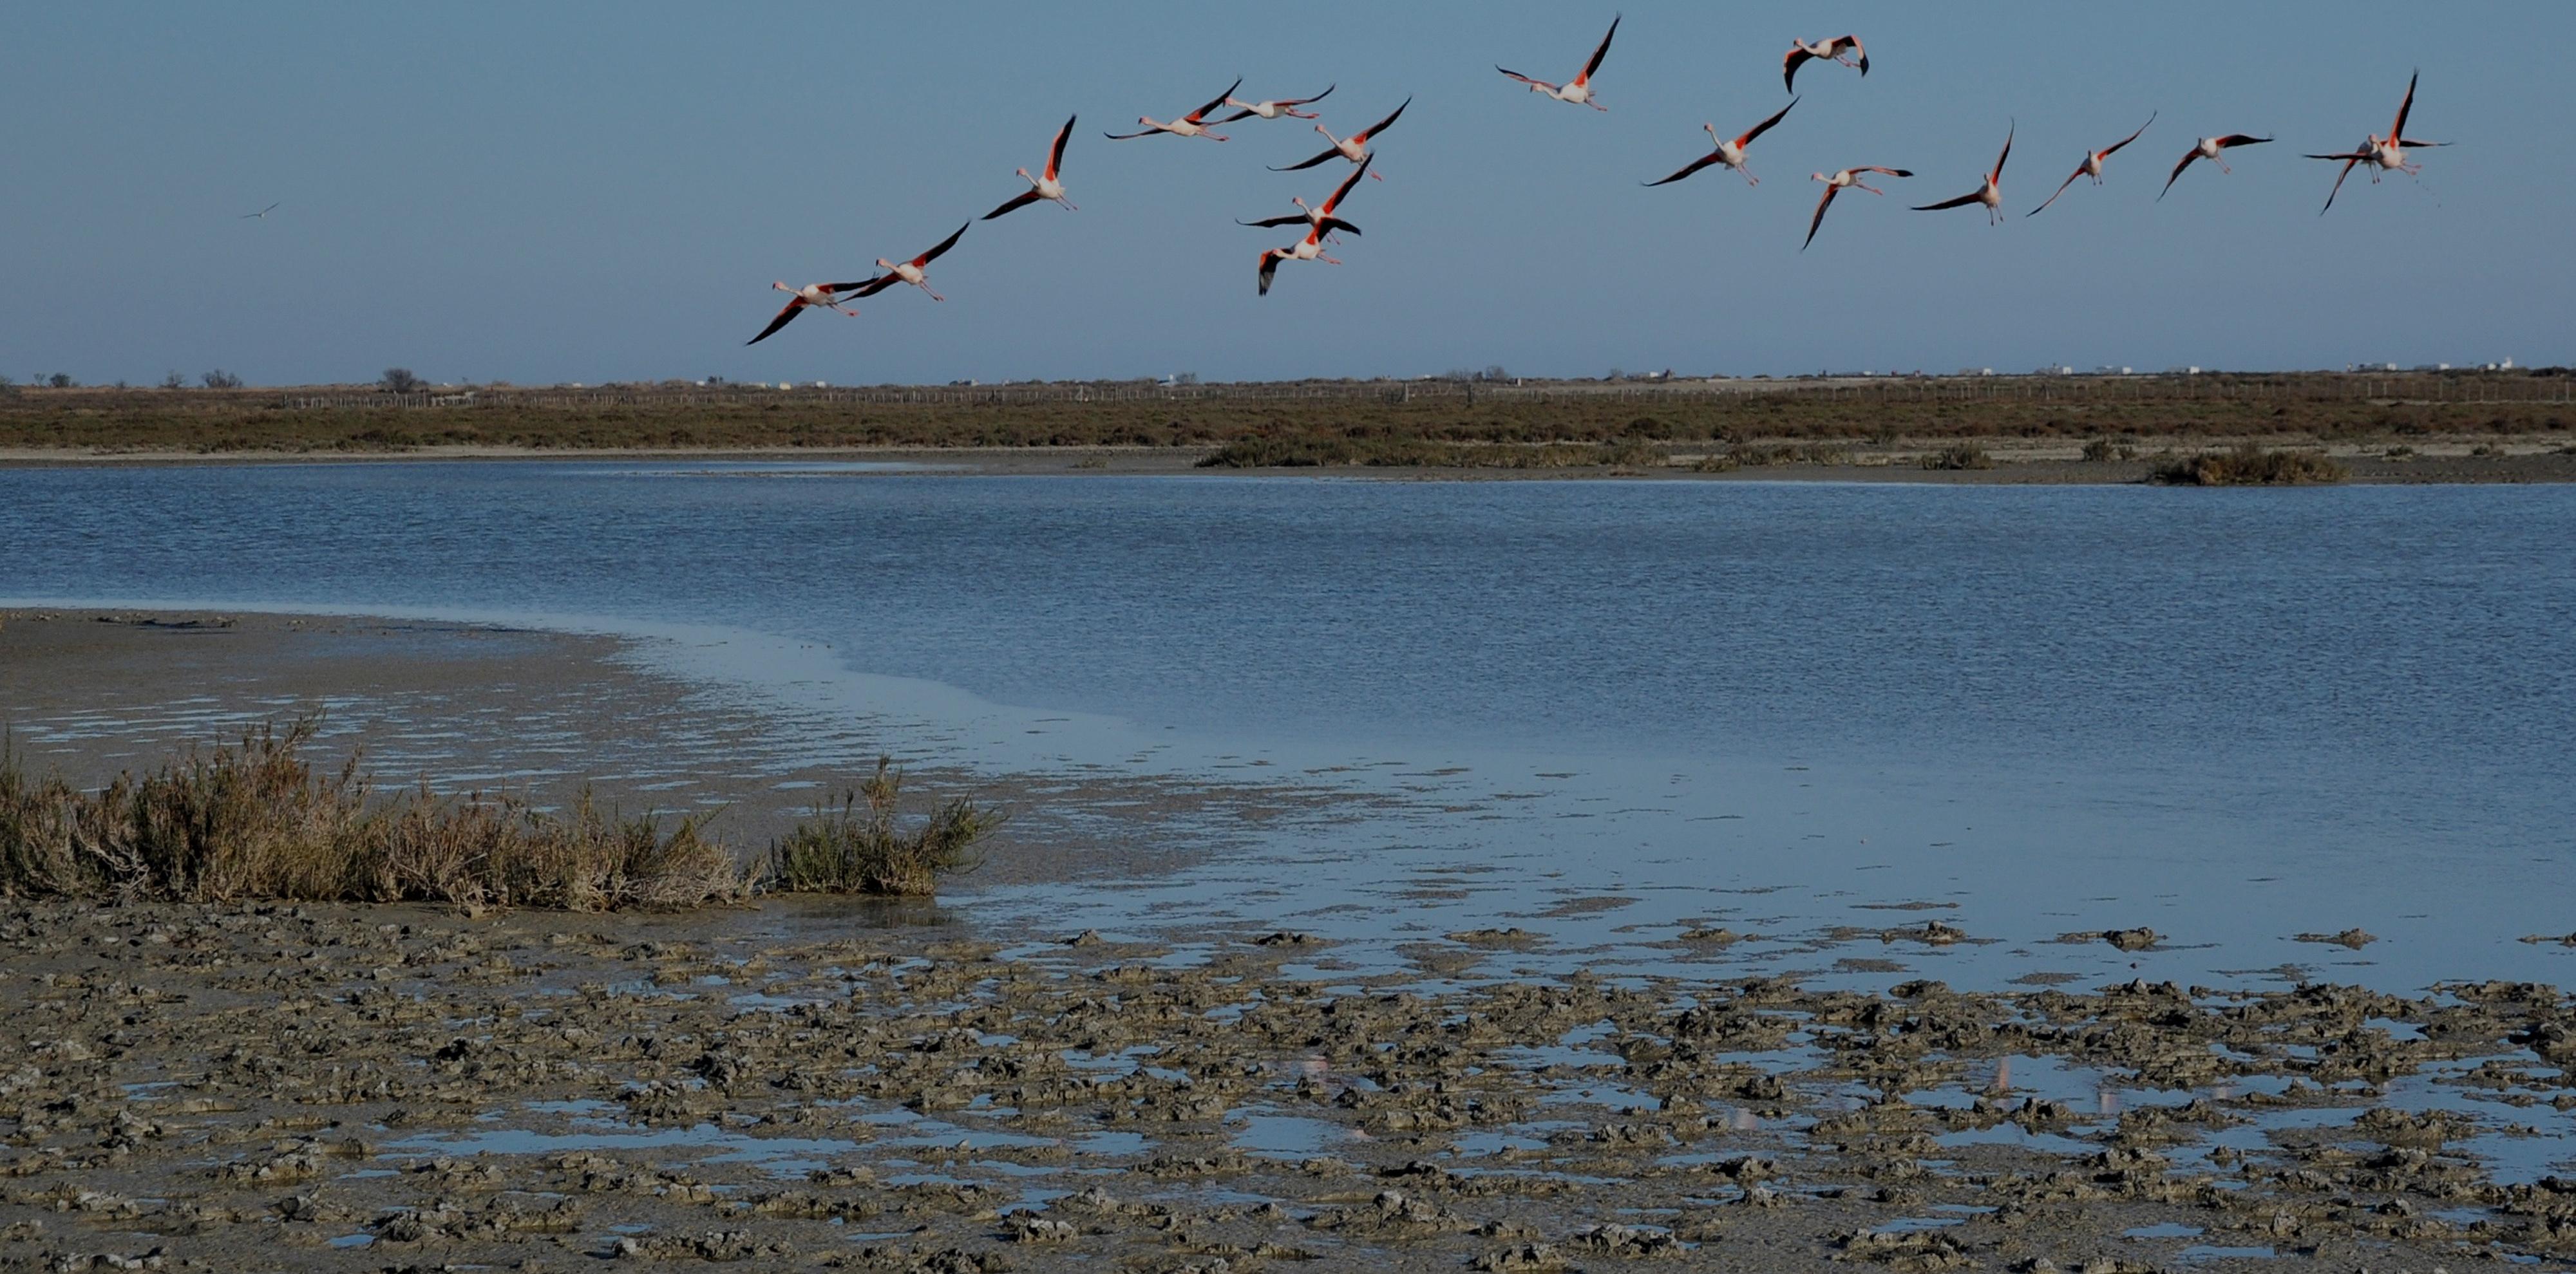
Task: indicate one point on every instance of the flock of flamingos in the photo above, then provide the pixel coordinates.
(1323, 221)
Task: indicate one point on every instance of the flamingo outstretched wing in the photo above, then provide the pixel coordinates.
(1960, 202)
(2070, 180)
(1831, 190)
(1597, 54)
(786, 315)
(1766, 125)
(1368, 134)
(2117, 146)
(1687, 169)
(2188, 157)
(944, 245)
(1055, 153)
(1012, 205)
(1796, 57)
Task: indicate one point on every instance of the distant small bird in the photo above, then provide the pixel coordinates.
(1045, 185)
(1321, 217)
(1310, 248)
(1275, 110)
(1579, 92)
(1729, 153)
(913, 272)
(2209, 148)
(2092, 165)
(1835, 185)
(1193, 124)
(1841, 50)
(810, 296)
(1354, 148)
(2383, 154)
(259, 215)
(1990, 194)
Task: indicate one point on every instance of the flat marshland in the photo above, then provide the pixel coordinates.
(2493, 427)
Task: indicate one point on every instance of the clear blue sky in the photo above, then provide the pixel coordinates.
(564, 192)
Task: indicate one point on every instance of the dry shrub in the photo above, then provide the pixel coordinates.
(2250, 466)
(1962, 456)
(256, 821)
(860, 846)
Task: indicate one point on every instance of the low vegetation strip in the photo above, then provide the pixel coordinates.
(2250, 466)
(1384, 428)
(258, 822)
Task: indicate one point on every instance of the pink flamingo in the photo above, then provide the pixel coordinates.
(1991, 194)
(1275, 110)
(1321, 217)
(914, 272)
(2092, 165)
(1838, 183)
(1578, 93)
(1354, 148)
(1841, 50)
(810, 296)
(2209, 148)
(1045, 185)
(1193, 124)
(2383, 154)
(1729, 153)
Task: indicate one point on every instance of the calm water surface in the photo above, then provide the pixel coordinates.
(2233, 716)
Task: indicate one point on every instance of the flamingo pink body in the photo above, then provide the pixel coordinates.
(1991, 193)
(1193, 124)
(1847, 179)
(1730, 153)
(2211, 149)
(1843, 50)
(1354, 148)
(2380, 154)
(1047, 184)
(1577, 91)
(2092, 165)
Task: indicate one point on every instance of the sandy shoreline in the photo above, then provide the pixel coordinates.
(2429, 461)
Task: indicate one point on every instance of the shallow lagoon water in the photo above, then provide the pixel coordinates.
(1605, 711)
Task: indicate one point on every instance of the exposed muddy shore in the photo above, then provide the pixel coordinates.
(824, 1087)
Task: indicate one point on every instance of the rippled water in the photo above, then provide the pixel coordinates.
(1614, 708)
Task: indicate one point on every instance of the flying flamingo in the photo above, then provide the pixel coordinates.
(1579, 92)
(1990, 194)
(2383, 154)
(1321, 218)
(2092, 165)
(2209, 148)
(1275, 110)
(1045, 186)
(1729, 153)
(1354, 148)
(912, 271)
(1841, 49)
(809, 296)
(1193, 124)
(1310, 248)
(1835, 185)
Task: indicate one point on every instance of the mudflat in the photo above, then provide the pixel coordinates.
(823, 1087)
(801, 1083)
